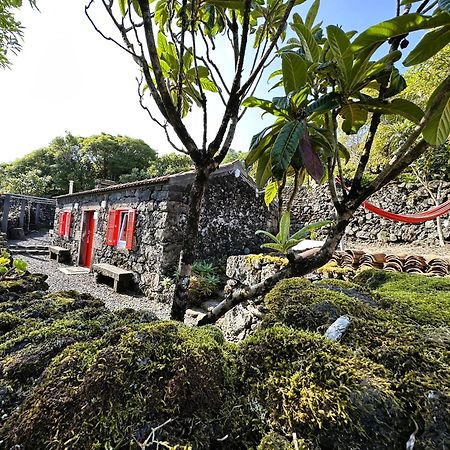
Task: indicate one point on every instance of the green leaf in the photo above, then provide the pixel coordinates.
(340, 47)
(295, 71)
(277, 247)
(285, 227)
(123, 7)
(325, 103)
(284, 147)
(229, 4)
(444, 5)
(267, 234)
(312, 14)
(253, 102)
(431, 43)
(404, 24)
(343, 151)
(305, 231)
(19, 265)
(399, 106)
(309, 44)
(397, 84)
(355, 116)
(437, 130)
(263, 170)
(271, 192)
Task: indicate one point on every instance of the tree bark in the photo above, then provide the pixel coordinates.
(190, 243)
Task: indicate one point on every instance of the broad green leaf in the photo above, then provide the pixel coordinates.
(343, 152)
(300, 99)
(208, 85)
(271, 192)
(203, 72)
(437, 130)
(399, 106)
(123, 7)
(312, 14)
(20, 265)
(229, 4)
(404, 24)
(343, 55)
(327, 102)
(265, 143)
(137, 8)
(355, 116)
(285, 227)
(267, 234)
(306, 230)
(277, 247)
(309, 44)
(263, 170)
(431, 43)
(444, 5)
(253, 102)
(294, 70)
(397, 84)
(285, 146)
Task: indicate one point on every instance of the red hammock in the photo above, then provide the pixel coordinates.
(431, 214)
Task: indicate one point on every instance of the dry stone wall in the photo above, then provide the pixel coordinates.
(313, 204)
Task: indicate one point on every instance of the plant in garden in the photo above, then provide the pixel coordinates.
(333, 86)
(10, 267)
(204, 280)
(283, 241)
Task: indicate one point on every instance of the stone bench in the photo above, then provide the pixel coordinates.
(122, 278)
(61, 254)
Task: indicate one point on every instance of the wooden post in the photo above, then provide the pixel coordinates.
(23, 206)
(5, 215)
(37, 215)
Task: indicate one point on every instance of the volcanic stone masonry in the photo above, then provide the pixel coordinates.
(314, 204)
(232, 212)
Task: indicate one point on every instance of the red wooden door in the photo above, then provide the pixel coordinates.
(88, 239)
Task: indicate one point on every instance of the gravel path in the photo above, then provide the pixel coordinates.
(85, 283)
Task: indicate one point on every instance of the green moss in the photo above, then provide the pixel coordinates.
(253, 260)
(307, 384)
(296, 302)
(102, 393)
(8, 321)
(411, 297)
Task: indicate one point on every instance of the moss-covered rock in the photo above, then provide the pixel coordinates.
(300, 382)
(411, 297)
(26, 283)
(108, 392)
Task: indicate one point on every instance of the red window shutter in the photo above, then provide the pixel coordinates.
(62, 223)
(67, 223)
(130, 228)
(111, 227)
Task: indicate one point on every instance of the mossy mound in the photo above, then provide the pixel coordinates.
(112, 391)
(416, 298)
(300, 382)
(27, 283)
(298, 303)
(416, 356)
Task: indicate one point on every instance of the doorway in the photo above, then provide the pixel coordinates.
(87, 238)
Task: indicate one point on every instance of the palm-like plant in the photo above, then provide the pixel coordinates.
(282, 242)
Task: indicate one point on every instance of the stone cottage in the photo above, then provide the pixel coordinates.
(138, 226)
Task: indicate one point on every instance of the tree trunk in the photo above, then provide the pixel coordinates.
(190, 243)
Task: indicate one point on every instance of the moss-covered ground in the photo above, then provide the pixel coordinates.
(74, 375)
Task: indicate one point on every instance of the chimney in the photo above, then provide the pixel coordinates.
(70, 186)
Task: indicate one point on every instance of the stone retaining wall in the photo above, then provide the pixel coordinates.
(312, 205)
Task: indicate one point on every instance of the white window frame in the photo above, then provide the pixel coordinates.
(122, 244)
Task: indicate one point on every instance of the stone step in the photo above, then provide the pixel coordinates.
(28, 247)
(28, 251)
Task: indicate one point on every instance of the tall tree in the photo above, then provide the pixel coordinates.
(175, 44)
(11, 30)
(332, 85)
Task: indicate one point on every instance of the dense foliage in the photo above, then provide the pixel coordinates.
(75, 375)
(47, 171)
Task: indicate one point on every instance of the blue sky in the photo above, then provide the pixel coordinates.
(67, 78)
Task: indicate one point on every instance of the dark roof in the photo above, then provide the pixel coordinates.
(179, 178)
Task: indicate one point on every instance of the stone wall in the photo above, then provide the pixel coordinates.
(232, 212)
(315, 204)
